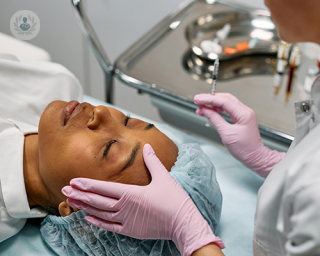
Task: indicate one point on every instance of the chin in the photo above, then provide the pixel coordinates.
(57, 105)
(52, 116)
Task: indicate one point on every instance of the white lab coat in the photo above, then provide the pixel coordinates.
(26, 88)
(287, 220)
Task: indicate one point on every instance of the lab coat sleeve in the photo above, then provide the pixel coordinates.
(9, 226)
(304, 237)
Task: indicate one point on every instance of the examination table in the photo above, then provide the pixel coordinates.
(239, 188)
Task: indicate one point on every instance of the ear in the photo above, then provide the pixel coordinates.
(65, 209)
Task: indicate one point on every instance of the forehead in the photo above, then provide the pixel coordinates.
(116, 113)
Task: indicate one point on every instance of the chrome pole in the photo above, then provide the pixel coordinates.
(96, 46)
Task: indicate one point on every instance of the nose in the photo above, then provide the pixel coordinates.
(101, 114)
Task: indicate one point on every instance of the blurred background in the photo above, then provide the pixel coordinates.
(118, 24)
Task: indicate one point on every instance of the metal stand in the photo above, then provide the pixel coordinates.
(96, 46)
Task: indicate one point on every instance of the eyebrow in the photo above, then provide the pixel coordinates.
(149, 126)
(132, 156)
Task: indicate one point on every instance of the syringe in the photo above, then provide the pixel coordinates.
(215, 76)
(214, 80)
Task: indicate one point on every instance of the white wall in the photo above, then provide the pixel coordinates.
(59, 33)
(119, 24)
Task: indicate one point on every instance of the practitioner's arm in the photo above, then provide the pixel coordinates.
(242, 138)
(160, 210)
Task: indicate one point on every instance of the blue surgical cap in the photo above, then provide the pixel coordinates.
(72, 235)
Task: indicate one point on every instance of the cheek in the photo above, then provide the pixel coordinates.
(77, 150)
(63, 159)
(78, 157)
(49, 129)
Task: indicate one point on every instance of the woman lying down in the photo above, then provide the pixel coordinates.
(46, 142)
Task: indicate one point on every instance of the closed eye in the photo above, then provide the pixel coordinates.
(127, 119)
(108, 146)
(107, 149)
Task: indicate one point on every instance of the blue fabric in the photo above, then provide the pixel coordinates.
(72, 235)
(239, 187)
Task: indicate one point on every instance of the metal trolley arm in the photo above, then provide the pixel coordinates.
(95, 44)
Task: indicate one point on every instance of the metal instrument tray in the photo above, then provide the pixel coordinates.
(244, 26)
(158, 64)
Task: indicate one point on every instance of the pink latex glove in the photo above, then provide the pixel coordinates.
(242, 138)
(160, 210)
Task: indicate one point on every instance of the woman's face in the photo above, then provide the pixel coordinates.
(297, 20)
(80, 140)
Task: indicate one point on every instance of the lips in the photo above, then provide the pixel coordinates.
(69, 110)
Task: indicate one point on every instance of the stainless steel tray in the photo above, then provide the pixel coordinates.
(156, 64)
(246, 65)
(244, 26)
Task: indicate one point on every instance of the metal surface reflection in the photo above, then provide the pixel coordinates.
(245, 25)
(200, 68)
